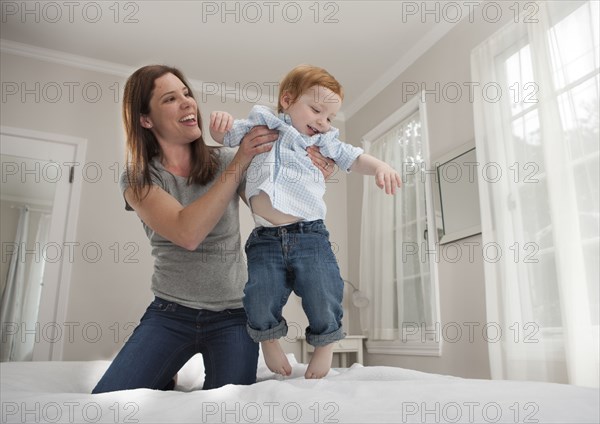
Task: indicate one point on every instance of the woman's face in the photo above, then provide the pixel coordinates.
(173, 116)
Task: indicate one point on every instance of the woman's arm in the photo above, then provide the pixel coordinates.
(188, 226)
(242, 192)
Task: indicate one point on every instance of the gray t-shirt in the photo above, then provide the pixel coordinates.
(211, 277)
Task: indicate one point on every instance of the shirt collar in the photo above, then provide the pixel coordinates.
(285, 118)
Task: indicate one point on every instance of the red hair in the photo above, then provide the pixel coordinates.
(303, 77)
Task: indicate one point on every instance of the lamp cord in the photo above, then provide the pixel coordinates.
(351, 285)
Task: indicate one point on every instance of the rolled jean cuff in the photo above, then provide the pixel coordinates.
(277, 332)
(318, 340)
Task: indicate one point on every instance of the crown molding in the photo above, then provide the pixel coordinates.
(419, 49)
(66, 59)
(111, 68)
(120, 70)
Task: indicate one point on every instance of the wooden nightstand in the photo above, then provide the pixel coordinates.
(350, 344)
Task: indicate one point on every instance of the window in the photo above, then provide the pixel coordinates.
(574, 80)
(545, 212)
(396, 272)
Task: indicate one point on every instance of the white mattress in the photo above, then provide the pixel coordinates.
(59, 392)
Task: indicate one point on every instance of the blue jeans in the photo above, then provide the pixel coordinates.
(294, 257)
(169, 334)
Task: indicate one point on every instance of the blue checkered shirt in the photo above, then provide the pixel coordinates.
(286, 173)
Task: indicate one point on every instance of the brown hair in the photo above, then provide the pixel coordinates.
(142, 146)
(303, 77)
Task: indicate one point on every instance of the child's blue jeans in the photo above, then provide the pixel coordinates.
(294, 257)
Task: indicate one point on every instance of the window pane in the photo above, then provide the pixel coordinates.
(536, 220)
(586, 176)
(543, 290)
(401, 148)
(592, 269)
(579, 116)
(413, 300)
(574, 42)
(528, 149)
(519, 81)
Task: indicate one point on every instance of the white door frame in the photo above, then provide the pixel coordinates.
(68, 152)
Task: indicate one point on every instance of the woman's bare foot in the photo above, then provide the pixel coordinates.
(320, 363)
(275, 357)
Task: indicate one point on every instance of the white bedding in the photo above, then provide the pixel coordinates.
(59, 392)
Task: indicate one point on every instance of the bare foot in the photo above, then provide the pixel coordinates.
(275, 357)
(320, 363)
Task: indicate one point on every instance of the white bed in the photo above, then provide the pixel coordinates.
(59, 392)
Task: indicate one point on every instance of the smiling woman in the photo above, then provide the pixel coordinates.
(191, 220)
(162, 114)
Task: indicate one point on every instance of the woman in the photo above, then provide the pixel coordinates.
(186, 194)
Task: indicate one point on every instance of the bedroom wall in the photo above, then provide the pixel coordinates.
(111, 294)
(450, 124)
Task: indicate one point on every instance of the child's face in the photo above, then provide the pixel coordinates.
(313, 111)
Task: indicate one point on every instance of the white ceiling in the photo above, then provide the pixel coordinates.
(365, 46)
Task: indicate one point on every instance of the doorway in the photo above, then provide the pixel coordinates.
(39, 202)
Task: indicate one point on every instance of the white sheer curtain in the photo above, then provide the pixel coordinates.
(23, 351)
(21, 295)
(12, 296)
(394, 269)
(544, 210)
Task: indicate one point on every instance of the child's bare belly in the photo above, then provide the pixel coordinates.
(261, 206)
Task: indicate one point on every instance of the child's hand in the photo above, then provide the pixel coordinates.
(220, 123)
(388, 179)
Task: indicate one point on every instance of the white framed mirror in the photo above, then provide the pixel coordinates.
(456, 196)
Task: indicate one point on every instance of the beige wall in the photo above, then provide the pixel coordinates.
(111, 295)
(450, 124)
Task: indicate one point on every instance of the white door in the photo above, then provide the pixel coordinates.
(37, 169)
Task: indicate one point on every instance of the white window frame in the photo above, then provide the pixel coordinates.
(428, 342)
(552, 348)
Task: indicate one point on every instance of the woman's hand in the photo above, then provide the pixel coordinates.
(324, 164)
(259, 139)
